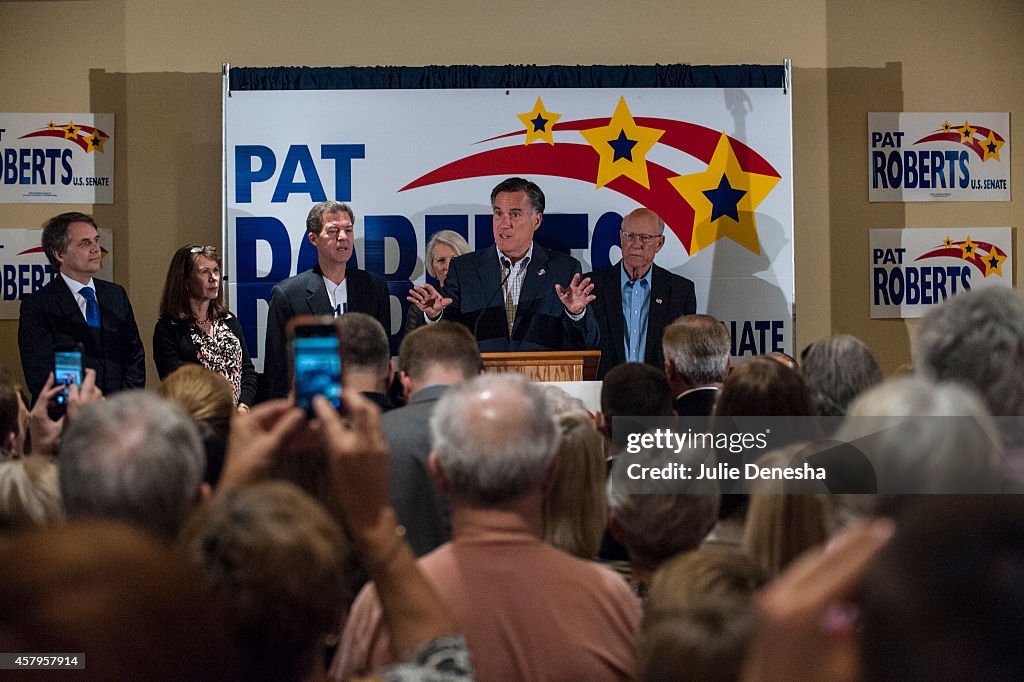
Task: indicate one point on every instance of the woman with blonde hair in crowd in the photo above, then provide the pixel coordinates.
(196, 327)
(575, 510)
(208, 399)
(29, 494)
(441, 248)
(784, 518)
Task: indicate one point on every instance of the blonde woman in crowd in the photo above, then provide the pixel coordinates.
(209, 400)
(575, 510)
(29, 494)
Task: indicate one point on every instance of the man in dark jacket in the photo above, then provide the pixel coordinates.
(636, 299)
(76, 309)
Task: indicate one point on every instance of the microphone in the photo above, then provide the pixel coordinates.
(507, 265)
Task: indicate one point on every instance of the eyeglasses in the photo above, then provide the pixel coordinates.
(632, 236)
(202, 249)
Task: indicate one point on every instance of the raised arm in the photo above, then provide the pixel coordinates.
(358, 458)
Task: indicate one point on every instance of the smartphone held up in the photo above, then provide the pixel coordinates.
(67, 371)
(316, 361)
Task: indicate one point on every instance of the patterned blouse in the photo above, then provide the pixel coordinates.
(220, 352)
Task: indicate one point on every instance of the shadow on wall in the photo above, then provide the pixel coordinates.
(852, 93)
(749, 292)
(167, 177)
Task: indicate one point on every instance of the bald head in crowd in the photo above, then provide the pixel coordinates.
(494, 449)
(135, 458)
(494, 439)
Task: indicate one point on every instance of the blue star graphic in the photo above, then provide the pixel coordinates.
(539, 124)
(724, 200)
(991, 147)
(623, 147)
(993, 261)
(969, 249)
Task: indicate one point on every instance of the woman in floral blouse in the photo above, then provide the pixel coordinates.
(196, 326)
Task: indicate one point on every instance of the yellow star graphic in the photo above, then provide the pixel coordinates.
(50, 126)
(994, 263)
(95, 142)
(724, 169)
(968, 248)
(622, 146)
(70, 131)
(948, 242)
(540, 123)
(967, 132)
(946, 127)
(990, 147)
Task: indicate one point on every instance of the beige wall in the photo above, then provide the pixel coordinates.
(914, 55)
(156, 65)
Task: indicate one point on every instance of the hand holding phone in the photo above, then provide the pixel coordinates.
(316, 362)
(67, 371)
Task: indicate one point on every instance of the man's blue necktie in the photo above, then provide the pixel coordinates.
(92, 308)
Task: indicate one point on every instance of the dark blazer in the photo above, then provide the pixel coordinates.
(474, 285)
(420, 506)
(671, 296)
(305, 294)
(50, 317)
(173, 347)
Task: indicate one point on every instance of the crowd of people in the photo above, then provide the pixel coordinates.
(471, 525)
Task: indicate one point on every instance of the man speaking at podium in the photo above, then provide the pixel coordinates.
(516, 295)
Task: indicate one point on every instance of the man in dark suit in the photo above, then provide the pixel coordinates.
(636, 299)
(516, 295)
(76, 309)
(697, 360)
(432, 359)
(330, 288)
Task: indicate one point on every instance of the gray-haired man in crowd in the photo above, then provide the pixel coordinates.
(135, 458)
(696, 362)
(529, 611)
(978, 338)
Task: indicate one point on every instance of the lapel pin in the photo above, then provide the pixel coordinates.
(540, 273)
(657, 300)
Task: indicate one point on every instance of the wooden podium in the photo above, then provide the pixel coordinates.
(571, 365)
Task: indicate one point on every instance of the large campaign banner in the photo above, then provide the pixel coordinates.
(952, 156)
(24, 267)
(57, 158)
(715, 164)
